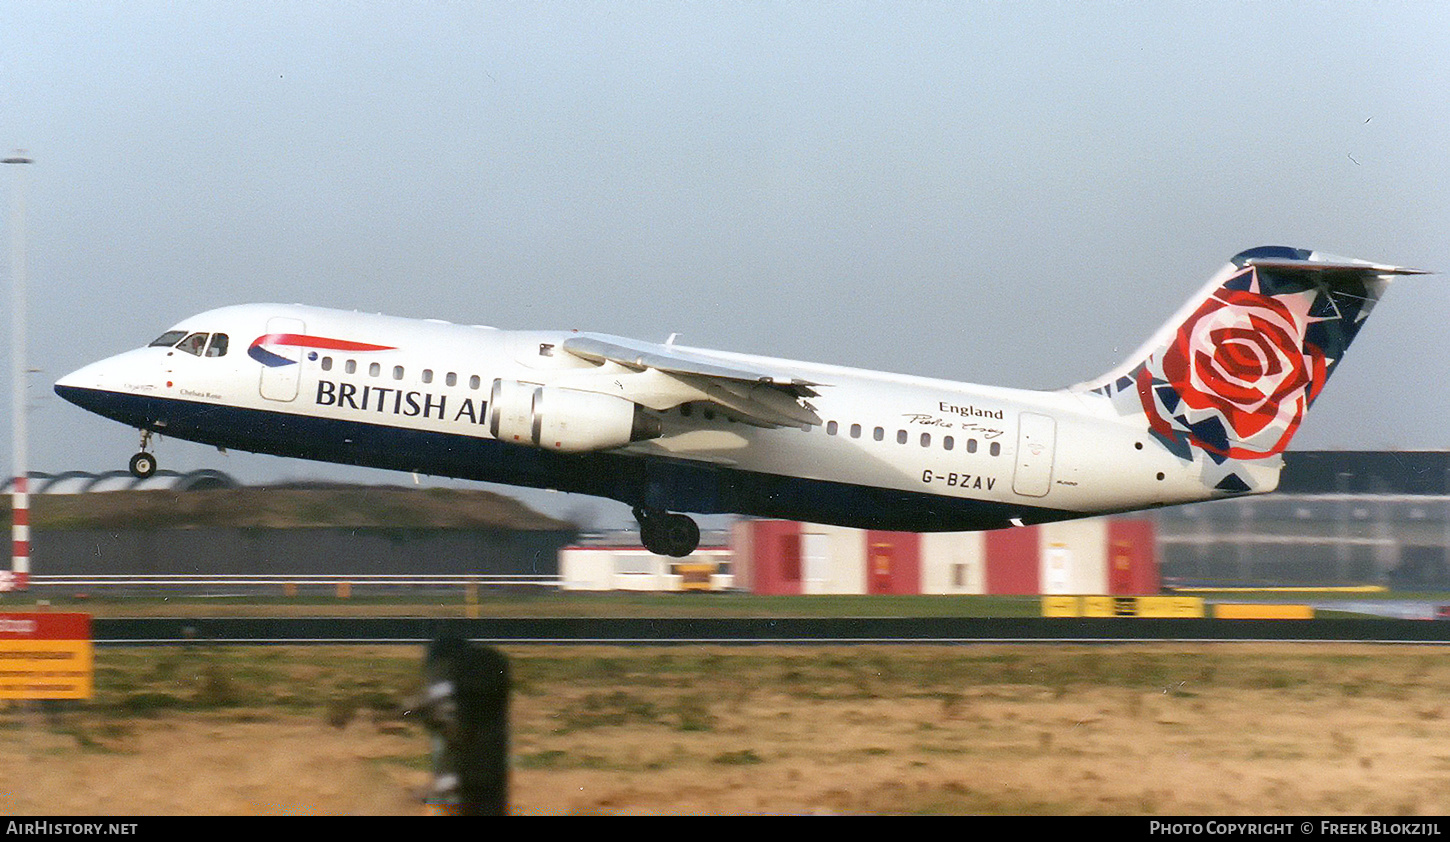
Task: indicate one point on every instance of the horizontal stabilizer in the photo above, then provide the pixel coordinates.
(1302, 260)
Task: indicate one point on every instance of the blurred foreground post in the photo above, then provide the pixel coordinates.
(465, 705)
(19, 574)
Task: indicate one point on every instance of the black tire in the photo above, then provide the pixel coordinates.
(682, 535)
(666, 534)
(143, 465)
(653, 539)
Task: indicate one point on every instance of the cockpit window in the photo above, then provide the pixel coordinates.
(193, 344)
(168, 339)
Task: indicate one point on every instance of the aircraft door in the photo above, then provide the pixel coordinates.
(1036, 438)
(282, 368)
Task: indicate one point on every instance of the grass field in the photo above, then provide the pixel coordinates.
(1024, 729)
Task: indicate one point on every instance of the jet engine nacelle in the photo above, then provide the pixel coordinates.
(565, 420)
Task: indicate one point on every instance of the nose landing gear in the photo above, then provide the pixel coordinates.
(663, 533)
(143, 464)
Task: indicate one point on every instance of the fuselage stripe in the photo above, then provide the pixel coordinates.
(300, 340)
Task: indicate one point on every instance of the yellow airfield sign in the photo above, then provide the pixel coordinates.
(46, 656)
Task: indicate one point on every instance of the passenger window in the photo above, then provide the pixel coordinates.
(996, 448)
(327, 363)
(855, 431)
(218, 346)
(427, 375)
(878, 434)
(168, 339)
(901, 437)
(947, 442)
(451, 379)
(397, 372)
(350, 367)
(193, 344)
(473, 382)
(831, 427)
(971, 445)
(375, 369)
(926, 439)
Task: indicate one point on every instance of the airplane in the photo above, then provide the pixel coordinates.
(1203, 410)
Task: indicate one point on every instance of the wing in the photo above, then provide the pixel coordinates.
(754, 395)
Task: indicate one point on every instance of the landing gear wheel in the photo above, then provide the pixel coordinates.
(143, 465)
(667, 534)
(682, 535)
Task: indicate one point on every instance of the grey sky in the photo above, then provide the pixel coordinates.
(1011, 193)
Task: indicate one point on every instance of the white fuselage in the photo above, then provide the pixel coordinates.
(408, 394)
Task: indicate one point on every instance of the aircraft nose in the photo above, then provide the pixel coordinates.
(118, 387)
(113, 375)
(86, 377)
(132, 372)
(81, 383)
(80, 378)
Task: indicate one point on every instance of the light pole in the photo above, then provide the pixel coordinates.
(19, 574)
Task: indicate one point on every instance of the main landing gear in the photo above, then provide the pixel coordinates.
(143, 464)
(668, 534)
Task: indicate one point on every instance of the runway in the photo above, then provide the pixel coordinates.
(746, 631)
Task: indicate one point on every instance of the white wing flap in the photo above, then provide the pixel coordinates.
(757, 396)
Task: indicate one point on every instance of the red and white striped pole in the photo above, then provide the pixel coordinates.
(19, 575)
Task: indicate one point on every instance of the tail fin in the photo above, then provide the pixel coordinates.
(1231, 376)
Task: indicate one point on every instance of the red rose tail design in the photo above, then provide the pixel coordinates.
(1239, 375)
(1229, 380)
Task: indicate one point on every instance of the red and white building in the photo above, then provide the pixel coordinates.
(1109, 556)
(1095, 556)
(632, 568)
